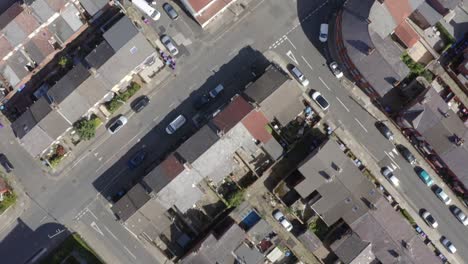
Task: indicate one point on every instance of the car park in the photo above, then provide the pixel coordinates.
(320, 100)
(279, 216)
(140, 103)
(448, 245)
(459, 214)
(442, 195)
(407, 155)
(177, 123)
(386, 132)
(137, 159)
(424, 176)
(201, 101)
(115, 126)
(389, 175)
(216, 91)
(429, 219)
(299, 76)
(336, 70)
(323, 36)
(170, 11)
(169, 44)
(6, 163)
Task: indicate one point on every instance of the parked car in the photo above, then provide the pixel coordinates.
(442, 195)
(279, 216)
(170, 11)
(320, 100)
(407, 155)
(6, 163)
(177, 123)
(201, 101)
(299, 76)
(137, 159)
(336, 70)
(323, 37)
(424, 176)
(448, 245)
(429, 219)
(169, 44)
(459, 214)
(117, 124)
(140, 103)
(389, 175)
(216, 91)
(386, 132)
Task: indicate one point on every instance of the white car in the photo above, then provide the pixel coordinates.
(169, 44)
(320, 100)
(323, 37)
(115, 126)
(336, 70)
(429, 219)
(448, 245)
(460, 215)
(443, 196)
(389, 175)
(279, 216)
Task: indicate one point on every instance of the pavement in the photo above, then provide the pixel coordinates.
(79, 197)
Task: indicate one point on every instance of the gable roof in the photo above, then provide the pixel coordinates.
(266, 84)
(133, 200)
(99, 55)
(164, 173)
(350, 247)
(197, 144)
(120, 33)
(256, 124)
(93, 6)
(68, 83)
(406, 34)
(237, 109)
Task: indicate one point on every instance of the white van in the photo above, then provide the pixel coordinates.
(147, 9)
(175, 124)
(323, 36)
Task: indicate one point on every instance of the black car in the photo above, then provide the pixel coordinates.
(202, 101)
(140, 103)
(171, 12)
(6, 163)
(407, 155)
(137, 159)
(386, 132)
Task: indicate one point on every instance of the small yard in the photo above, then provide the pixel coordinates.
(73, 250)
(9, 199)
(234, 199)
(319, 227)
(86, 128)
(57, 155)
(416, 69)
(445, 36)
(119, 99)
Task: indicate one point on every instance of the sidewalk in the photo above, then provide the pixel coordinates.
(365, 102)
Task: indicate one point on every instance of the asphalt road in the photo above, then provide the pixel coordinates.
(78, 198)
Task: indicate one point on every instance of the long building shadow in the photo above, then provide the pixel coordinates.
(25, 245)
(234, 75)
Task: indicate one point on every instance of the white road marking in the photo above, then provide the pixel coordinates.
(290, 42)
(43, 218)
(57, 232)
(308, 64)
(129, 252)
(96, 227)
(324, 83)
(392, 160)
(396, 151)
(191, 87)
(391, 154)
(361, 125)
(112, 234)
(394, 166)
(95, 217)
(292, 57)
(156, 118)
(172, 104)
(342, 104)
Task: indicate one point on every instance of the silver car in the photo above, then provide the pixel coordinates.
(460, 215)
(169, 44)
(177, 123)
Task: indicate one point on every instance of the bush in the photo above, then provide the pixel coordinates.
(131, 90)
(8, 200)
(114, 104)
(236, 198)
(416, 69)
(407, 216)
(445, 36)
(86, 129)
(319, 228)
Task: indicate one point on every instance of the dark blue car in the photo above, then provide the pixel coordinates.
(137, 159)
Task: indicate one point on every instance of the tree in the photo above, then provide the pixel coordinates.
(86, 129)
(63, 62)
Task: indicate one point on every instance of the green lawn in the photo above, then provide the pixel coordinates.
(74, 243)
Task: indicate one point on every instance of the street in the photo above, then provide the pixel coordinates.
(79, 199)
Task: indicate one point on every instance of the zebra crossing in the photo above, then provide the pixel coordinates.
(392, 154)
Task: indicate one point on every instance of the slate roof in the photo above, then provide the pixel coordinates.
(133, 200)
(98, 56)
(120, 33)
(93, 6)
(68, 83)
(237, 109)
(248, 255)
(429, 13)
(69, 14)
(197, 144)
(42, 10)
(164, 173)
(61, 29)
(266, 84)
(349, 247)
